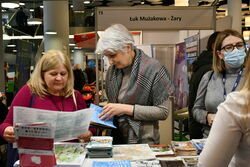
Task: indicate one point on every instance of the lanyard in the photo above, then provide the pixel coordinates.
(57, 107)
(235, 84)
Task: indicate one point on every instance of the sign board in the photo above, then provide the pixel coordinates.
(156, 18)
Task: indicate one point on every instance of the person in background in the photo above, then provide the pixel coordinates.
(228, 70)
(202, 65)
(228, 144)
(3, 143)
(50, 87)
(79, 80)
(91, 72)
(21, 18)
(137, 88)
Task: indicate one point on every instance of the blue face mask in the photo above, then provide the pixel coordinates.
(235, 58)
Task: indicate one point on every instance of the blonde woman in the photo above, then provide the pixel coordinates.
(228, 143)
(50, 87)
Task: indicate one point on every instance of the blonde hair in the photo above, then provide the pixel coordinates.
(219, 64)
(49, 61)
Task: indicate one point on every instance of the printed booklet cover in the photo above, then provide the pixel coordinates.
(132, 152)
(70, 154)
(162, 150)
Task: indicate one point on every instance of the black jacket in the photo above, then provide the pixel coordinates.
(202, 65)
(79, 80)
(3, 114)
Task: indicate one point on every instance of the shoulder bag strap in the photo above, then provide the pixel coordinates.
(74, 99)
(32, 99)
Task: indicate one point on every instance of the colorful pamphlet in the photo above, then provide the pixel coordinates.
(133, 152)
(122, 163)
(191, 161)
(183, 148)
(35, 143)
(70, 154)
(162, 150)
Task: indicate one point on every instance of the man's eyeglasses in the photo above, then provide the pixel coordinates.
(230, 47)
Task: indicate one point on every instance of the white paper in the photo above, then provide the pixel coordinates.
(68, 125)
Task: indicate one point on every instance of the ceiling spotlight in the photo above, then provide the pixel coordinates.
(34, 21)
(14, 50)
(9, 5)
(11, 45)
(86, 2)
(51, 33)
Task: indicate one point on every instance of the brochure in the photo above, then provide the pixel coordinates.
(70, 154)
(132, 152)
(68, 125)
(122, 163)
(96, 120)
(162, 150)
(29, 139)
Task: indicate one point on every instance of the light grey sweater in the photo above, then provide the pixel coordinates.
(210, 95)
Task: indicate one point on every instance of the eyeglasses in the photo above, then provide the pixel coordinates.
(230, 47)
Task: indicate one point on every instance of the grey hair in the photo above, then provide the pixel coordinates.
(114, 38)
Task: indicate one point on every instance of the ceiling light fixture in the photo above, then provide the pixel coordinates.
(246, 35)
(247, 21)
(9, 5)
(11, 45)
(21, 3)
(51, 33)
(34, 21)
(86, 2)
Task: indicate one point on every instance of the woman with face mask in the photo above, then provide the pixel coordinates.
(228, 70)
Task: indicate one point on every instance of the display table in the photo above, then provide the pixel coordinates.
(136, 153)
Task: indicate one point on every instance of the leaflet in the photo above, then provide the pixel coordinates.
(68, 125)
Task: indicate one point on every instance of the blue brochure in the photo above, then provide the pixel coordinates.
(121, 163)
(96, 120)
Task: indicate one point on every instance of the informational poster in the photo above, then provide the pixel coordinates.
(23, 63)
(180, 77)
(192, 50)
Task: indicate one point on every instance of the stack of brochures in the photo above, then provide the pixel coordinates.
(35, 144)
(100, 147)
(183, 148)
